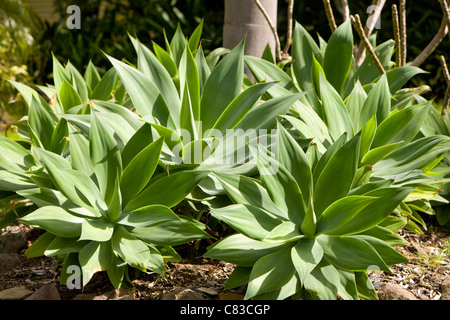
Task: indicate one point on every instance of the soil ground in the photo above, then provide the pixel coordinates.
(428, 254)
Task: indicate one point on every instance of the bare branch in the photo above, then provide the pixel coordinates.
(445, 9)
(361, 53)
(398, 51)
(343, 8)
(272, 27)
(434, 43)
(402, 10)
(356, 21)
(446, 103)
(445, 70)
(289, 27)
(330, 15)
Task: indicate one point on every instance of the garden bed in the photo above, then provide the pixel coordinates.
(197, 278)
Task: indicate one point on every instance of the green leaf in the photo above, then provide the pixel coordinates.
(79, 151)
(270, 272)
(251, 221)
(240, 106)
(68, 97)
(140, 170)
(323, 281)
(78, 82)
(413, 156)
(294, 159)
(135, 252)
(177, 45)
(194, 40)
(244, 190)
(401, 126)
(378, 102)
(104, 88)
(387, 200)
(144, 94)
(387, 253)
(338, 56)
(304, 48)
(96, 230)
(284, 232)
(334, 111)
(105, 157)
(355, 102)
(91, 76)
(306, 255)
(148, 216)
(222, 86)
(60, 137)
(240, 250)
(149, 65)
(342, 211)
(337, 176)
(281, 186)
(74, 185)
(377, 154)
(138, 142)
(398, 77)
(41, 123)
(169, 190)
(165, 59)
(55, 220)
(14, 157)
(62, 246)
(39, 246)
(350, 253)
(170, 233)
(94, 257)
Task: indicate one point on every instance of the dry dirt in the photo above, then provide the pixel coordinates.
(429, 264)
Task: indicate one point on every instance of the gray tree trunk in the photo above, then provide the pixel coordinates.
(243, 18)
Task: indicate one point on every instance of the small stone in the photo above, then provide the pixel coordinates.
(445, 289)
(230, 296)
(12, 242)
(16, 293)
(85, 296)
(117, 294)
(208, 291)
(9, 261)
(46, 292)
(391, 291)
(179, 293)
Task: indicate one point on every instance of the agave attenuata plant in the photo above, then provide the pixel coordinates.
(115, 210)
(311, 226)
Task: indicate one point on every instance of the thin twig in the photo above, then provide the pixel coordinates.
(445, 70)
(356, 21)
(434, 43)
(445, 9)
(446, 103)
(402, 10)
(398, 51)
(289, 28)
(361, 53)
(330, 15)
(343, 7)
(272, 27)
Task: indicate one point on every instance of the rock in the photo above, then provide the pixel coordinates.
(85, 296)
(230, 296)
(12, 242)
(179, 293)
(208, 291)
(445, 289)
(9, 261)
(117, 294)
(16, 293)
(46, 292)
(390, 291)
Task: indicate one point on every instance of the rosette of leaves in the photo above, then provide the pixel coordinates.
(310, 227)
(107, 208)
(340, 98)
(198, 100)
